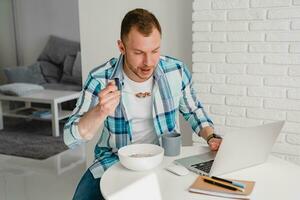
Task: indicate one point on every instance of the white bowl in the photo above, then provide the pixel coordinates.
(140, 157)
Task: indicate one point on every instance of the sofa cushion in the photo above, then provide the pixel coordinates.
(51, 72)
(25, 74)
(57, 49)
(77, 71)
(62, 86)
(67, 71)
(20, 89)
(68, 65)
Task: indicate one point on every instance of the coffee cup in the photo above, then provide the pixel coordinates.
(171, 142)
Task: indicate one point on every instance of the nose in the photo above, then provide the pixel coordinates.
(148, 60)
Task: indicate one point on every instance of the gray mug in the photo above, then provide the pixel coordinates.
(171, 142)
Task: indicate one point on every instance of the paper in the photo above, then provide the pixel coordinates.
(199, 186)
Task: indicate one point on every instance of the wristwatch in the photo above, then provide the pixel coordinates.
(212, 136)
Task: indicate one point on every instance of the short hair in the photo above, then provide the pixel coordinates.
(141, 19)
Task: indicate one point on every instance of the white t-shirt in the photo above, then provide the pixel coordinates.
(140, 110)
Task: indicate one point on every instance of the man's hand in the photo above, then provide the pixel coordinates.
(91, 121)
(109, 99)
(214, 143)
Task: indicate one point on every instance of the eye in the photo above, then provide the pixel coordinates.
(155, 51)
(138, 52)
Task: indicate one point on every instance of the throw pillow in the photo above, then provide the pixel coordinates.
(57, 49)
(25, 74)
(20, 89)
(51, 72)
(67, 71)
(68, 65)
(77, 71)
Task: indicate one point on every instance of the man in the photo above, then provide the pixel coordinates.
(137, 97)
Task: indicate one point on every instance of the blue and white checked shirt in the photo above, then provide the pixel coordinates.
(172, 93)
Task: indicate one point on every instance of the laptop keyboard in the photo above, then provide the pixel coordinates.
(204, 166)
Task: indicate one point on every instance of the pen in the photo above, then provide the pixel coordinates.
(219, 184)
(238, 184)
(222, 184)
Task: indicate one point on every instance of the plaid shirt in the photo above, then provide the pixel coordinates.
(172, 93)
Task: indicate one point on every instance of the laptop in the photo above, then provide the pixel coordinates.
(239, 149)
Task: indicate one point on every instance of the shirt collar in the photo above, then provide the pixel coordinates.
(158, 71)
(117, 72)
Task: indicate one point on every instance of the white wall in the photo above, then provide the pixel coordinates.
(7, 50)
(100, 22)
(37, 19)
(246, 57)
(7, 45)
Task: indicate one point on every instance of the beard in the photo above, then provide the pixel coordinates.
(142, 73)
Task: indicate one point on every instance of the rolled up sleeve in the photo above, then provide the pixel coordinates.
(87, 100)
(190, 106)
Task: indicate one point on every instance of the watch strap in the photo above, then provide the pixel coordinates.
(212, 136)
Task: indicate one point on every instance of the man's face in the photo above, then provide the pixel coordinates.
(141, 54)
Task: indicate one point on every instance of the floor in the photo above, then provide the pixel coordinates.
(53, 178)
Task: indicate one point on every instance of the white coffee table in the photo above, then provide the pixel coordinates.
(52, 97)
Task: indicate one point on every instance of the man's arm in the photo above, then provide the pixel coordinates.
(90, 123)
(194, 113)
(205, 132)
(213, 142)
(90, 112)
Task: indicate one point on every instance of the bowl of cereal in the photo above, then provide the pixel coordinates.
(140, 157)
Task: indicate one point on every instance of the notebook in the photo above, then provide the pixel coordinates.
(239, 149)
(199, 186)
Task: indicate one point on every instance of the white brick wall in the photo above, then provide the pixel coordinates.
(246, 65)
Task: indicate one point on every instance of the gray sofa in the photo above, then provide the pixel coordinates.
(58, 67)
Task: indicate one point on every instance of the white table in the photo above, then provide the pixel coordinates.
(52, 97)
(276, 179)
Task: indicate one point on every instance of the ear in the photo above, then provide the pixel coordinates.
(121, 47)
